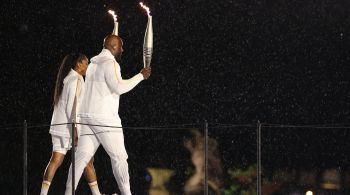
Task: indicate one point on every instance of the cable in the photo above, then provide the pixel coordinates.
(174, 126)
(191, 125)
(13, 127)
(312, 125)
(324, 126)
(219, 125)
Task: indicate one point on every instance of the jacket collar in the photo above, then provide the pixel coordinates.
(73, 73)
(106, 53)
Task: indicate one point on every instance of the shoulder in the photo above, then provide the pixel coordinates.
(110, 64)
(108, 61)
(72, 81)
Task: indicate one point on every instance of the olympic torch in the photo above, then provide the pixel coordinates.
(115, 30)
(148, 39)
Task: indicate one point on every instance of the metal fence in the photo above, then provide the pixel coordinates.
(163, 147)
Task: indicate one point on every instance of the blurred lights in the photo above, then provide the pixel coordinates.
(309, 193)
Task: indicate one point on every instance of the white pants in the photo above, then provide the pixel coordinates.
(113, 143)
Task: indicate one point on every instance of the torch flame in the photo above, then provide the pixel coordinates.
(146, 8)
(113, 14)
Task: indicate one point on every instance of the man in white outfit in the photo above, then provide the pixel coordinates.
(103, 86)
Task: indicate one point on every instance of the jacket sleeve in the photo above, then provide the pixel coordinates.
(71, 99)
(115, 82)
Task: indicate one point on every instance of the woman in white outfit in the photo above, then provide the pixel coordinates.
(69, 86)
(103, 88)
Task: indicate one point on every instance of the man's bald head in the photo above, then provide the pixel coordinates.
(114, 44)
(111, 41)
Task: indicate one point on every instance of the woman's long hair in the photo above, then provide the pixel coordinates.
(69, 62)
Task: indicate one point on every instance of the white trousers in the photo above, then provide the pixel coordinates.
(113, 143)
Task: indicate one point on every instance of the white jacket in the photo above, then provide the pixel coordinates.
(103, 87)
(65, 110)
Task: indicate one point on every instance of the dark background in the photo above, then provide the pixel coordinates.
(237, 62)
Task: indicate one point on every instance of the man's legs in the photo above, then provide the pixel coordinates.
(88, 145)
(113, 143)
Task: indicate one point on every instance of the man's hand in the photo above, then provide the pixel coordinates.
(146, 72)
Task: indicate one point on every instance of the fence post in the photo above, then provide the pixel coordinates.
(25, 158)
(206, 157)
(73, 158)
(258, 167)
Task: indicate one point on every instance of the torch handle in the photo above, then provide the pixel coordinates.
(147, 56)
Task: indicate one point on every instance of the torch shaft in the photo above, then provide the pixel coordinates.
(148, 44)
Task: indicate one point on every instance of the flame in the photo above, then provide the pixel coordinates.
(113, 14)
(146, 8)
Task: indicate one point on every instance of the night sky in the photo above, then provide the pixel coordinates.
(225, 61)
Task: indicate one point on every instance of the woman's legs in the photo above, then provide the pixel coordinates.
(54, 163)
(90, 176)
(89, 171)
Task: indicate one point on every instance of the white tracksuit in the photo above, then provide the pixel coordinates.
(103, 86)
(68, 104)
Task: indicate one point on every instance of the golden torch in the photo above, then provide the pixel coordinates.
(115, 30)
(148, 40)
